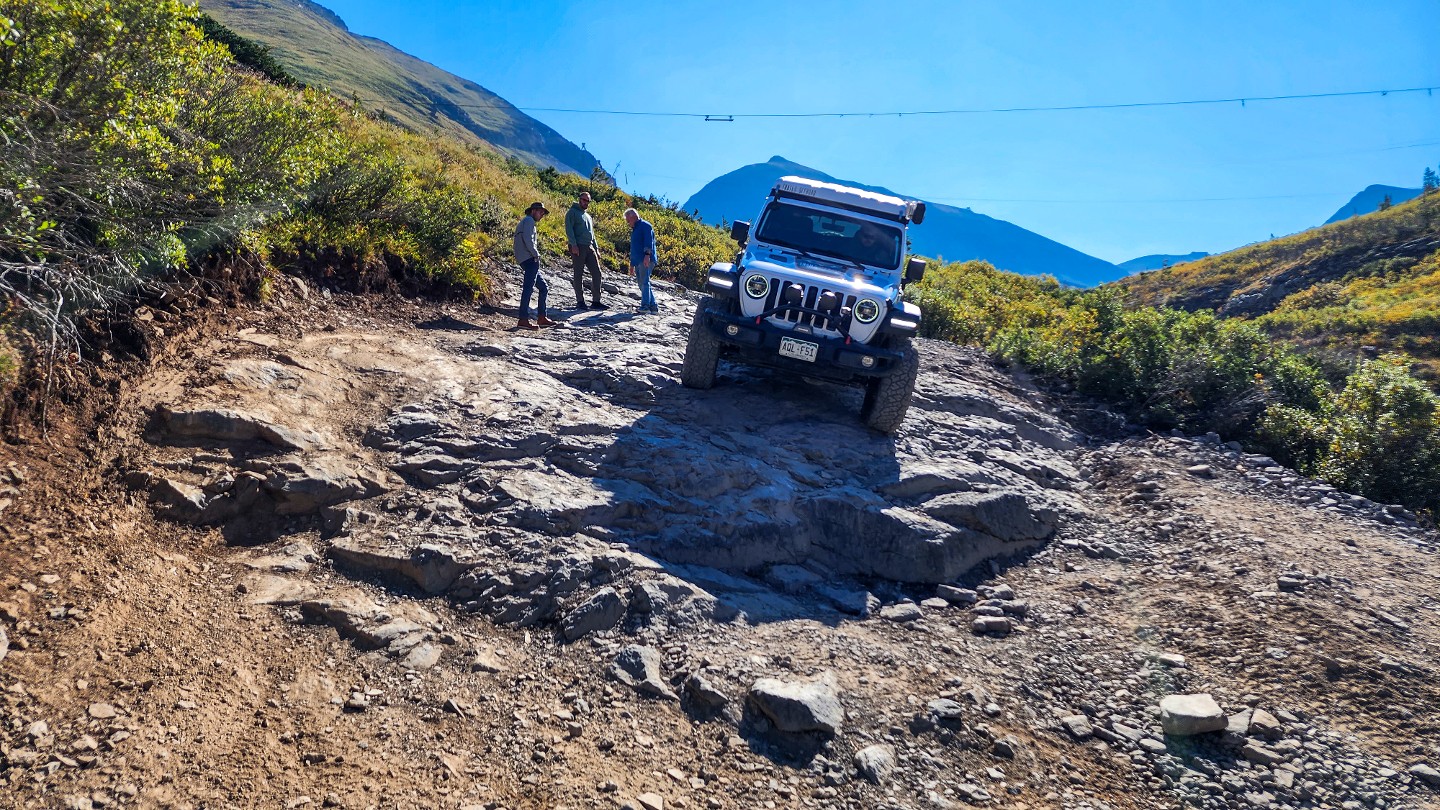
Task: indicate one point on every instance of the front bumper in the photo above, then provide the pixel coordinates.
(757, 341)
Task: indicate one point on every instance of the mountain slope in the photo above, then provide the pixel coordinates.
(1156, 261)
(957, 234)
(1372, 280)
(314, 44)
(1369, 200)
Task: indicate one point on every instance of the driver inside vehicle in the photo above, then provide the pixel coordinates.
(875, 246)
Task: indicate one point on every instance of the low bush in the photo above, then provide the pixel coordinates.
(1380, 436)
(1370, 428)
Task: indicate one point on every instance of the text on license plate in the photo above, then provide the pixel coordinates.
(799, 349)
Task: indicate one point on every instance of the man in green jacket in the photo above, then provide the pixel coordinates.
(580, 233)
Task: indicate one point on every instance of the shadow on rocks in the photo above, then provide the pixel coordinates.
(788, 749)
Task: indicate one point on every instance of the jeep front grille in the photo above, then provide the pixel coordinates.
(823, 326)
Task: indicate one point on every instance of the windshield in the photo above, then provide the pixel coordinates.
(833, 234)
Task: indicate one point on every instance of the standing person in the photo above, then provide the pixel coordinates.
(580, 233)
(527, 253)
(642, 258)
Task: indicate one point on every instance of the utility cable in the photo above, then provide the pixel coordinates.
(1242, 100)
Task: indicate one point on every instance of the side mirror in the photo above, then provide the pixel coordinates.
(740, 231)
(914, 270)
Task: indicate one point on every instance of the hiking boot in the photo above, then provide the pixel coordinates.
(544, 321)
(580, 306)
(525, 324)
(598, 305)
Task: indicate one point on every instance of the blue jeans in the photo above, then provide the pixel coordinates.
(533, 281)
(642, 277)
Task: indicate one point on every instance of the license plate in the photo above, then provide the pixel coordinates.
(799, 349)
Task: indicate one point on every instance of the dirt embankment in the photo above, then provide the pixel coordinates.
(364, 553)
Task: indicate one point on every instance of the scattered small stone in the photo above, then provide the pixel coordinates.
(934, 603)
(485, 662)
(102, 711)
(651, 801)
(1186, 715)
(982, 625)
(875, 763)
(903, 612)
(1079, 726)
(357, 702)
(956, 596)
(1172, 660)
(1264, 724)
(1425, 774)
(639, 668)
(1006, 747)
(945, 712)
(1201, 471)
(699, 689)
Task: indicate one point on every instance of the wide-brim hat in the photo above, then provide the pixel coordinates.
(539, 205)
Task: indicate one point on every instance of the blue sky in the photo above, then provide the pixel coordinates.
(1114, 183)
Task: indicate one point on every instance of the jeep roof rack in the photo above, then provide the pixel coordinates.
(867, 202)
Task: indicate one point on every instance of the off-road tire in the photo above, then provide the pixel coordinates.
(888, 398)
(702, 350)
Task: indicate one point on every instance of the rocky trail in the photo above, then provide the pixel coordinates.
(368, 553)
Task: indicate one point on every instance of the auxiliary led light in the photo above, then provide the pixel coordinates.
(867, 361)
(732, 330)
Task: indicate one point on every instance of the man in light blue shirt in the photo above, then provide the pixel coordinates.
(642, 258)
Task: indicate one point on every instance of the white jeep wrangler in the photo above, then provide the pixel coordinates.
(817, 290)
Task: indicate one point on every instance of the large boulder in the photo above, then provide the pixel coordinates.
(798, 707)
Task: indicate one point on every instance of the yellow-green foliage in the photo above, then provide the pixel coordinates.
(1393, 304)
(130, 143)
(446, 211)
(1374, 433)
(125, 139)
(1252, 268)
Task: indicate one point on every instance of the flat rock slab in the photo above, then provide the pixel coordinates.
(798, 707)
(1187, 715)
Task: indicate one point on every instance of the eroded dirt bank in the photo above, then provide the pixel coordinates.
(363, 554)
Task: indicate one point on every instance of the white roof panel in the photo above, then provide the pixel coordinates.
(883, 204)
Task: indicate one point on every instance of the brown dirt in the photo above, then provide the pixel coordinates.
(217, 702)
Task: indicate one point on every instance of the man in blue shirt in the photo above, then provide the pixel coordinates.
(642, 258)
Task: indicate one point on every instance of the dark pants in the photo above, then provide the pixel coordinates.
(586, 258)
(533, 281)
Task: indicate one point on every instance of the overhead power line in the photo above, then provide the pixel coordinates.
(722, 116)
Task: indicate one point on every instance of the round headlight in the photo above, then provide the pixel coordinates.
(867, 310)
(756, 286)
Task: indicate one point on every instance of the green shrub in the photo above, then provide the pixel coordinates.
(1379, 437)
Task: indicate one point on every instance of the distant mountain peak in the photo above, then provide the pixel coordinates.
(1156, 261)
(1368, 201)
(949, 232)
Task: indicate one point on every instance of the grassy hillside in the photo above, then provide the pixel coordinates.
(314, 44)
(133, 166)
(1371, 281)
